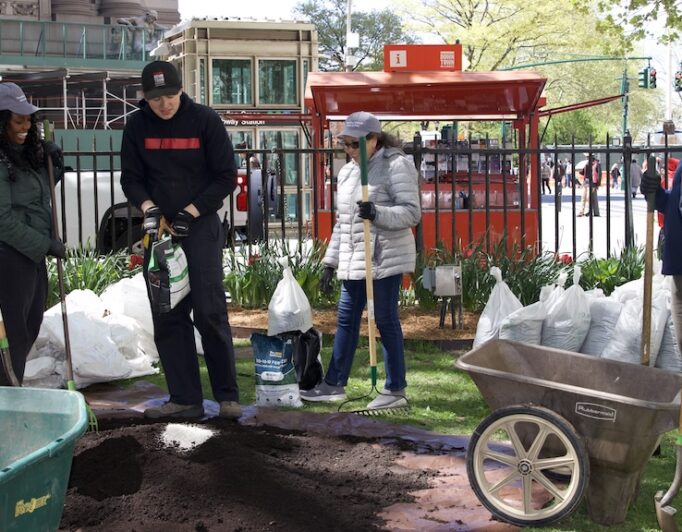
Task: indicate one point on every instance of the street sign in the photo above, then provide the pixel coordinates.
(420, 57)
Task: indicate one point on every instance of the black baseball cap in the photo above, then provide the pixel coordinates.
(160, 78)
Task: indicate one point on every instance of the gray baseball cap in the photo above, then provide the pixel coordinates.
(361, 124)
(12, 98)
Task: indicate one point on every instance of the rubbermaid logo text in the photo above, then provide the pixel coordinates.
(595, 411)
(31, 506)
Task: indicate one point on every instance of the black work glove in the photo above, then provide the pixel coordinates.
(182, 223)
(326, 280)
(152, 218)
(367, 210)
(57, 249)
(54, 152)
(650, 183)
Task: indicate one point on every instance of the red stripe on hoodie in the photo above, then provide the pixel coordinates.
(172, 144)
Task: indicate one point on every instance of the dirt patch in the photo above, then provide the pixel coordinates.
(417, 324)
(243, 478)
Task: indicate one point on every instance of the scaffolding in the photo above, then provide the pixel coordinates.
(80, 100)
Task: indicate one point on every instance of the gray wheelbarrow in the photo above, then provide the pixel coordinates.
(563, 425)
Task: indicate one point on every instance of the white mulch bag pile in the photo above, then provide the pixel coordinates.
(585, 321)
(568, 317)
(501, 303)
(106, 345)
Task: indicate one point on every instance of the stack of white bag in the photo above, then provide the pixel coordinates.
(585, 322)
(501, 303)
(111, 338)
(568, 316)
(625, 342)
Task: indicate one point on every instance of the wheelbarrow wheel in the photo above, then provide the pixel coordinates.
(527, 465)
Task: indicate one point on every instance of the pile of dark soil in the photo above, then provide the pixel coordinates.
(244, 478)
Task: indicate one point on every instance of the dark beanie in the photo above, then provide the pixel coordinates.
(160, 78)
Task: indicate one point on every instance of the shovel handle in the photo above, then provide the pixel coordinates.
(648, 270)
(369, 284)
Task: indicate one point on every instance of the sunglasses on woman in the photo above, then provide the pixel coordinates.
(356, 143)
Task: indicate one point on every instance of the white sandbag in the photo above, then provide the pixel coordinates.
(625, 344)
(289, 309)
(568, 317)
(95, 356)
(39, 368)
(550, 293)
(669, 356)
(129, 297)
(130, 338)
(524, 324)
(501, 303)
(604, 313)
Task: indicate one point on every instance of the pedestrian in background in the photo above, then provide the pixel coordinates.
(177, 162)
(546, 174)
(635, 176)
(393, 210)
(615, 175)
(25, 224)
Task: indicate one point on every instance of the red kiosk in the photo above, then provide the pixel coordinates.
(440, 95)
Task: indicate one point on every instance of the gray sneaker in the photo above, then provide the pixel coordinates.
(324, 392)
(230, 410)
(175, 411)
(388, 399)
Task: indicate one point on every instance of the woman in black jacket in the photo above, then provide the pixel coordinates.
(25, 226)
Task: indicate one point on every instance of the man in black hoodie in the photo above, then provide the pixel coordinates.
(177, 162)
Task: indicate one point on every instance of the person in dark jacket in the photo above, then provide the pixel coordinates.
(25, 225)
(668, 203)
(177, 162)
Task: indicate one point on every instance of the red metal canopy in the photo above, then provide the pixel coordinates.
(401, 95)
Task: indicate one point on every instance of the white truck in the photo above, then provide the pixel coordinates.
(93, 212)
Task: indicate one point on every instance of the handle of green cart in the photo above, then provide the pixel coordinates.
(648, 269)
(368, 266)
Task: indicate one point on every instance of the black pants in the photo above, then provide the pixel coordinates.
(174, 330)
(23, 293)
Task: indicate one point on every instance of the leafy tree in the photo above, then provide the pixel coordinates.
(637, 16)
(375, 28)
(498, 34)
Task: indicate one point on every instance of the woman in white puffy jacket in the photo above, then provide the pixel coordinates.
(393, 209)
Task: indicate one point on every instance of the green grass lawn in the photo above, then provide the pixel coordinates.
(445, 400)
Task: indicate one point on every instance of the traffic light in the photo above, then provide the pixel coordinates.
(652, 78)
(643, 80)
(678, 81)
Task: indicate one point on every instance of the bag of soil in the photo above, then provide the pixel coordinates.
(604, 314)
(525, 324)
(289, 309)
(669, 356)
(276, 382)
(568, 317)
(625, 344)
(167, 275)
(501, 303)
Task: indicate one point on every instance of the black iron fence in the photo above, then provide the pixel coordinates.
(472, 191)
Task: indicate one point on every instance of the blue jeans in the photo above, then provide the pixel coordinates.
(348, 318)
